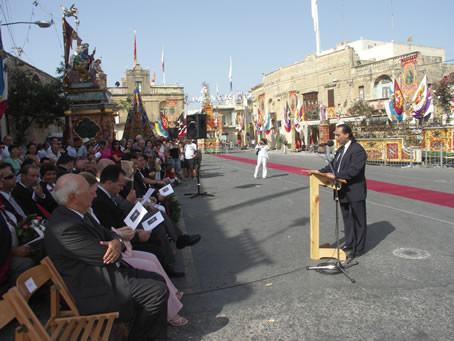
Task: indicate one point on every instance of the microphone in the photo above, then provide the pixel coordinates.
(329, 144)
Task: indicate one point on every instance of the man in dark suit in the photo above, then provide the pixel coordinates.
(65, 164)
(28, 192)
(105, 207)
(48, 174)
(88, 257)
(350, 164)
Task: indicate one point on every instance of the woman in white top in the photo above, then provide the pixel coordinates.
(262, 157)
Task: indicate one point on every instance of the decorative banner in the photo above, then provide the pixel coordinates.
(409, 76)
(390, 111)
(398, 99)
(331, 112)
(172, 110)
(261, 107)
(293, 102)
(420, 97)
(267, 122)
(182, 126)
(298, 117)
(258, 123)
(322, 112)
(287, 123)
(137, 122)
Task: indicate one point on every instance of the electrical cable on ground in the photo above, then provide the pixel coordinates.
(245, 283)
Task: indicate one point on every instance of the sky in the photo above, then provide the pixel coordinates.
(198, 37)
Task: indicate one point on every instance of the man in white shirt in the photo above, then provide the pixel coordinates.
(190, 153)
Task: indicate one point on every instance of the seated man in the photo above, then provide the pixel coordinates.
(14, 258)
(88, 257)
(105, 207)
(28, 193)
(48, 177)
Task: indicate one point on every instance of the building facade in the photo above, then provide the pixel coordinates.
(166, 99)
(328, 84)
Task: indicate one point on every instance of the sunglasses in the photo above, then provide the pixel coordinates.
(9, 177)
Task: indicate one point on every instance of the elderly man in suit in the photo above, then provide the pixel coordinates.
(350, 164)
(88, 257)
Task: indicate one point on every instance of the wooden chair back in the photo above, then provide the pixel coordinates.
(93, 327)
(6, 313)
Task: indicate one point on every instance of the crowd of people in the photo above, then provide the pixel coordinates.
(80, 193)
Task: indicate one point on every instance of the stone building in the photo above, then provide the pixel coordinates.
(168, 99)
(335, 79)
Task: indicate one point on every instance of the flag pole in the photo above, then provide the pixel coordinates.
(163, 67)
(314, 6)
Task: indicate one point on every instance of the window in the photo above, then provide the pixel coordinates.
(139, 86)
(385, 92)
(361, 92)
(331, 98)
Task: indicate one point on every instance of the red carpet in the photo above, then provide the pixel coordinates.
(414, 193)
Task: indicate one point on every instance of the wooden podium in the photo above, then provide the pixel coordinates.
(321, 251)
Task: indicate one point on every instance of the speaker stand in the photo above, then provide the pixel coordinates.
(198, 193)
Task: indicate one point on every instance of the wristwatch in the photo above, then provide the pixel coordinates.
(123, 246)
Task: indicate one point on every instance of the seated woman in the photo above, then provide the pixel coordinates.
(146, 261)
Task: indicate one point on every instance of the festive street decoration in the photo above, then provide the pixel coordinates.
(287, 123)
(137, 122)
(409, 76)
(422, 100)
(267, 122)
(398, 99)
(390, 111)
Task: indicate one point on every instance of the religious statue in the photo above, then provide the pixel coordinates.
(97, 74)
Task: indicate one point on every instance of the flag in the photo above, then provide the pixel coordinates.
(3, 81)
(162, 126)
(230, 75)
(390, 111)
(267, 125)
(135, 48)
(420, 98)
(398, 99)
(287, 123)
(428, 107)
(162, 61)
(314, 7)
(259, 122)
(68, 32)
(163, 67)
(182, 126)
(298, 117)
(154, 77)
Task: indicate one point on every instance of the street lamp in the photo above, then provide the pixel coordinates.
(40, 23)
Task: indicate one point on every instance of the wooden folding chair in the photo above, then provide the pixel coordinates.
(58, 289)
(91, 327)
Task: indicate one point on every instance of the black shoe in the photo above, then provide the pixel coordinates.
(346, 248)
(187, 240)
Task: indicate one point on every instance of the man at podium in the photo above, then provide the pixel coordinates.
(350, 164)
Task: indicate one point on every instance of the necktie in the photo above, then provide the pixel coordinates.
(339, 158)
